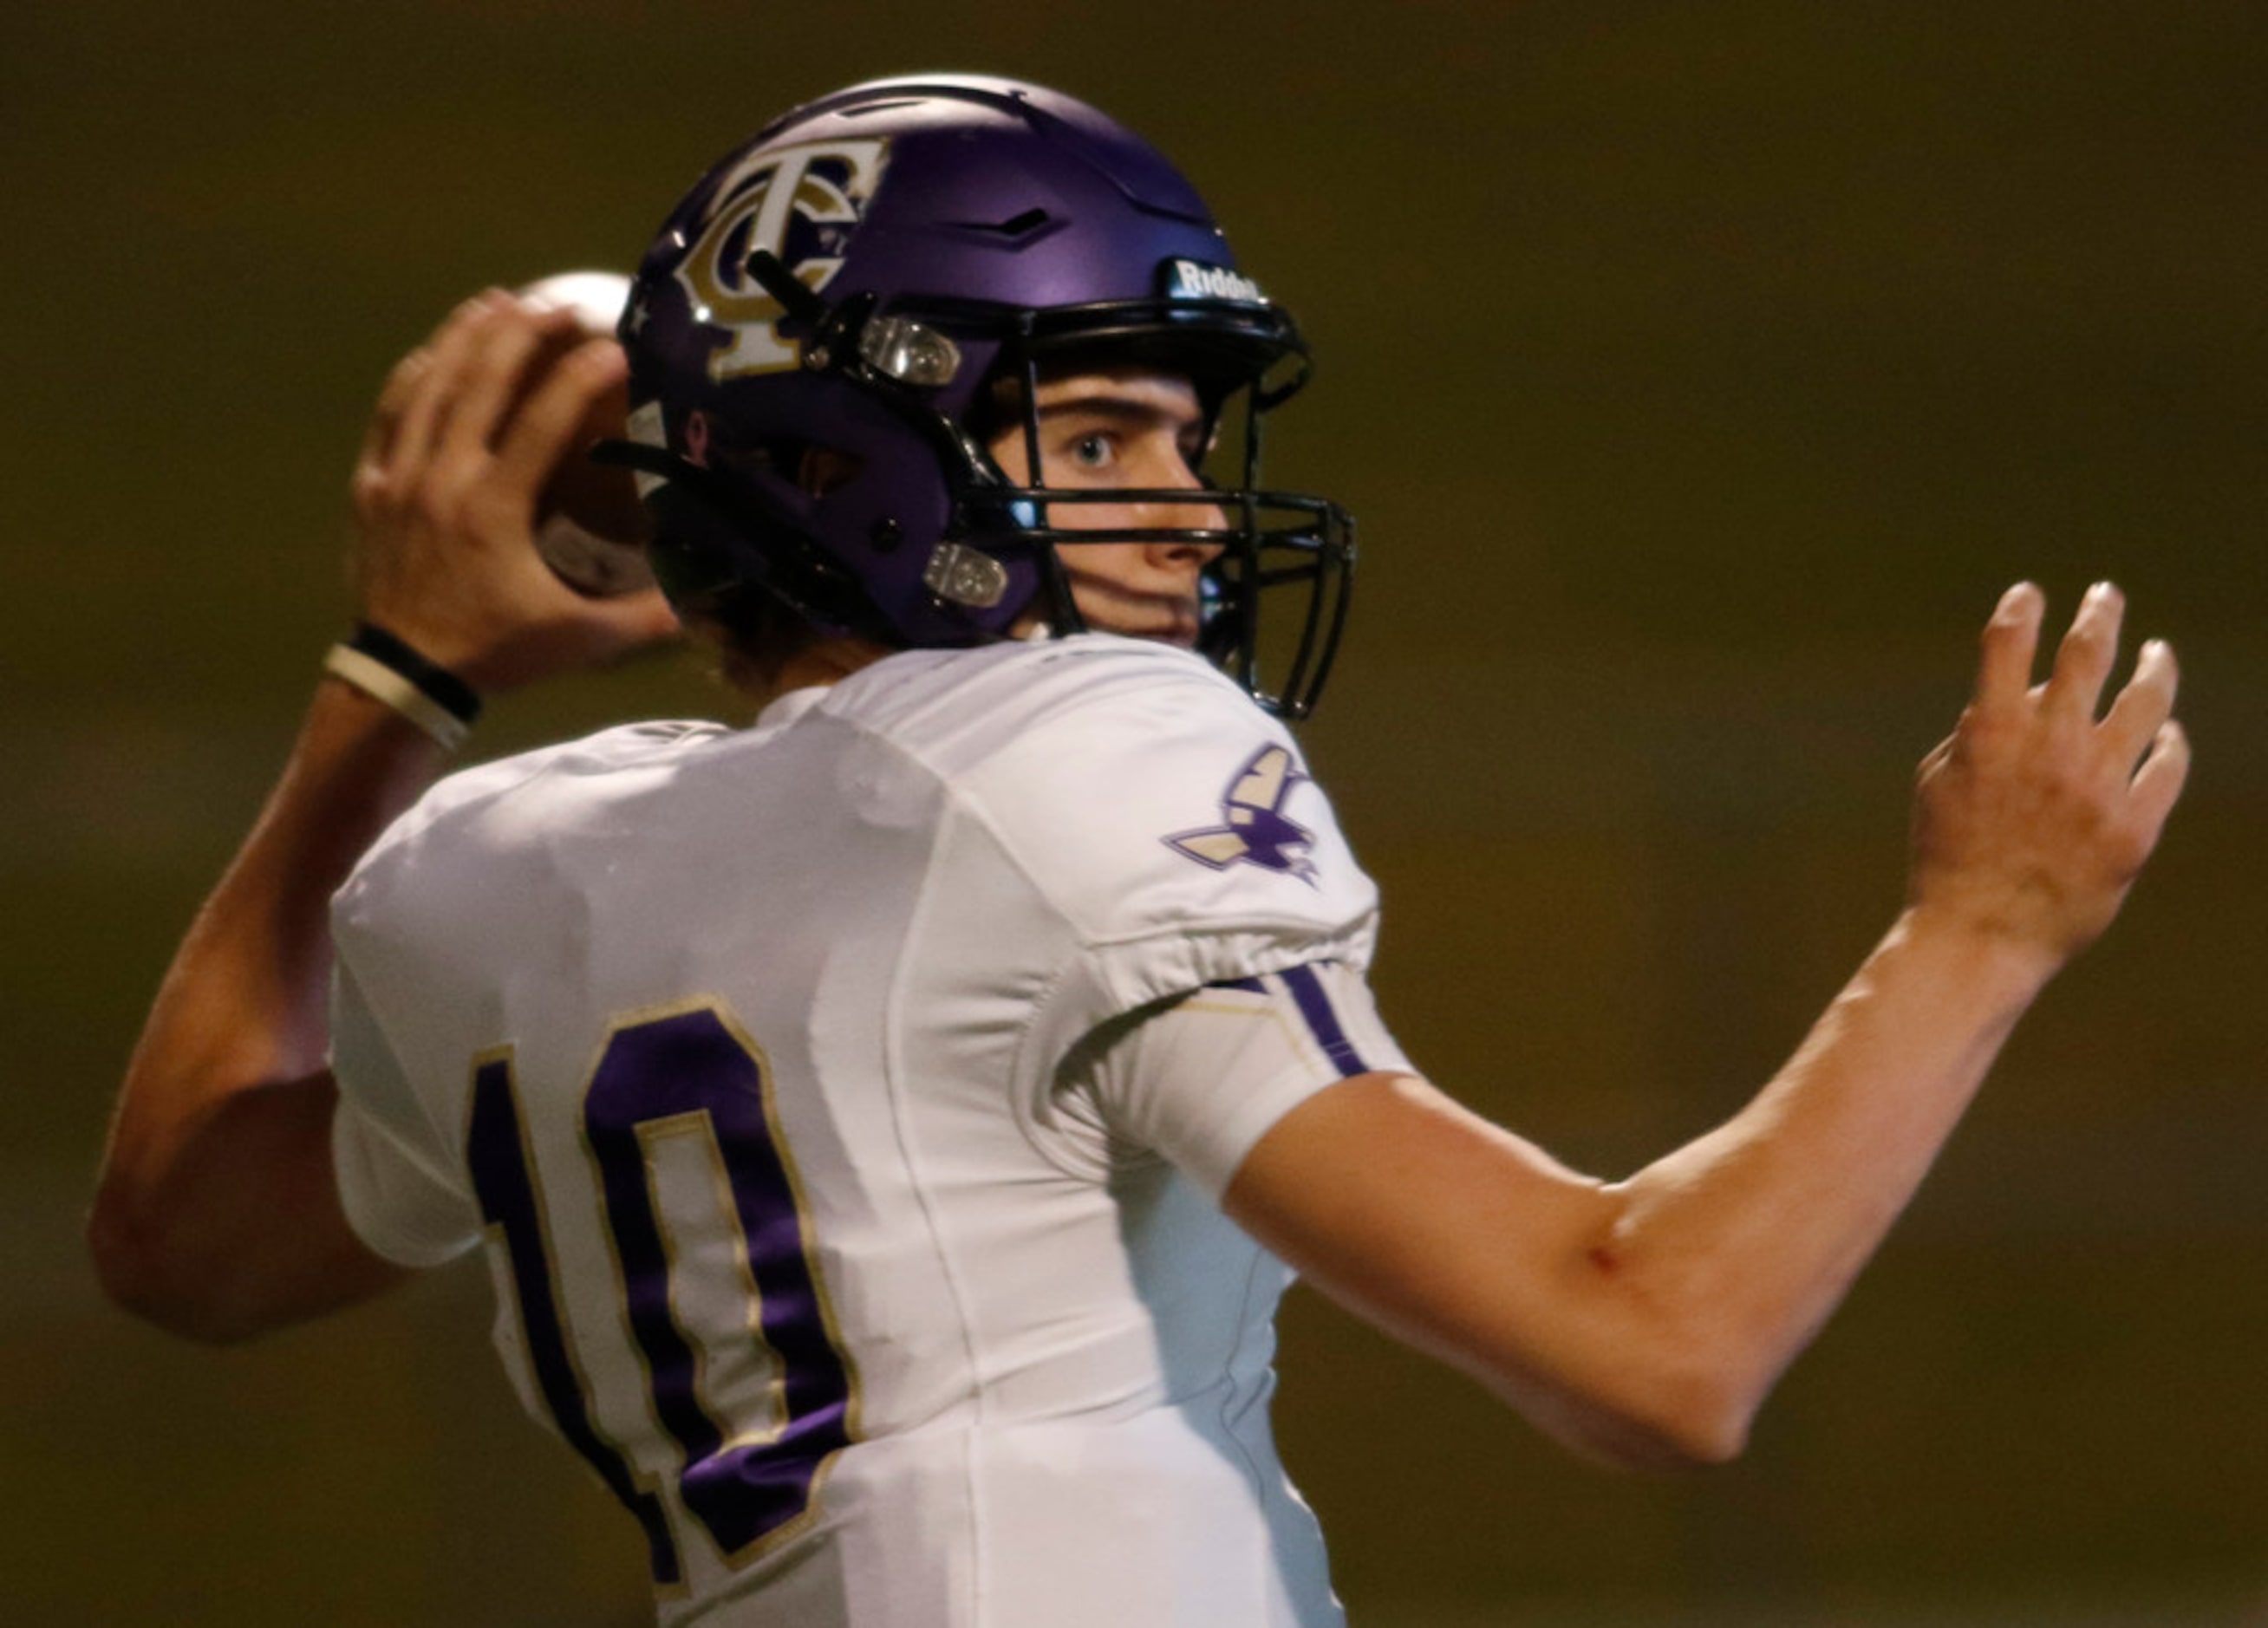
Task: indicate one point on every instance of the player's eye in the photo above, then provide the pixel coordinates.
(1093, 452)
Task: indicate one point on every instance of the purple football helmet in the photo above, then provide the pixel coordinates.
(883, 275)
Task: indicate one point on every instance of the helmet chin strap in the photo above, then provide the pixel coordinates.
(1063, 617)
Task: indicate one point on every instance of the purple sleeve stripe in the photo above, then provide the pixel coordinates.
(1315, 1006)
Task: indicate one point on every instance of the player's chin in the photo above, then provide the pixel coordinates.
(1159, 620)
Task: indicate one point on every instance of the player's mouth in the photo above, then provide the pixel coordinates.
(1164, 618)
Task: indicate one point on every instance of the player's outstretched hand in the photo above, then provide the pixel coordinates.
(2034, 818)
(467, 431)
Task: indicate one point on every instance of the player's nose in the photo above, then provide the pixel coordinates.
(1199, 512)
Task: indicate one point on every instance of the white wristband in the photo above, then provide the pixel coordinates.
(382, 684)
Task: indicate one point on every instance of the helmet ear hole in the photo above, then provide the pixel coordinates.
(823, 471)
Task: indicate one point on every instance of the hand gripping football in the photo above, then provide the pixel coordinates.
(590, 527)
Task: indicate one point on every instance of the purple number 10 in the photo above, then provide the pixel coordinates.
(688, 1070)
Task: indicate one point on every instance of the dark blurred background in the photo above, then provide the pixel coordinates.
(1700, 373)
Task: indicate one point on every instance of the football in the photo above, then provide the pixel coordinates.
(590, 527)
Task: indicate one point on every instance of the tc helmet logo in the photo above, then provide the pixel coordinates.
(801, 204)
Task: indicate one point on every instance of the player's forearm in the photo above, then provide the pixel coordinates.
(1747, 1239)
(244, 999)
(228, 1078)
(1645, 1320)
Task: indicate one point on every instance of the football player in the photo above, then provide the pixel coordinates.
(894, 1122)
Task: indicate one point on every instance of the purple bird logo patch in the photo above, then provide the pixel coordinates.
(1256, 829)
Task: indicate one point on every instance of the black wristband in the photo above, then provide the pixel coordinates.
(443, 689)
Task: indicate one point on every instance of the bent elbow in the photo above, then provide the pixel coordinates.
(1681, 1422)
(117, 1247)
(135, 1272)
(1706, 1429)
(1684, 1385)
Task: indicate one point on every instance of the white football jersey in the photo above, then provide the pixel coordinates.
(754, 1059)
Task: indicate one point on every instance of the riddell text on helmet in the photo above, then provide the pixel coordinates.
(1194, 280)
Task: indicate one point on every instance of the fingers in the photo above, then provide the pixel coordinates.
(2084, 658)
(467, 431)
(2140, 711)
(505, 342)
(556, 409)
(386, 417)
(2141, 708)
(446, 398)
(429, 397)
(2012, 642)
(2158, 783)
(2083, 663)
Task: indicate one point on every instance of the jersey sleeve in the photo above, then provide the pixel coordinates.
(398, 1186)
(1201, 1080)
(1178, 840)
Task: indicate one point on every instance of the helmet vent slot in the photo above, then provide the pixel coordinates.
(1021, 225)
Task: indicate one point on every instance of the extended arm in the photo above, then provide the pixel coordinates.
(218, 1215)
(1645, 1320)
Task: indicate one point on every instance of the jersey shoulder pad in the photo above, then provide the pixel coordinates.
(1142, 792)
